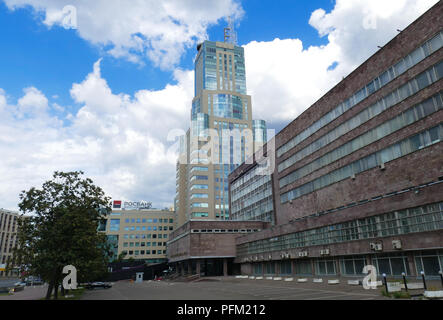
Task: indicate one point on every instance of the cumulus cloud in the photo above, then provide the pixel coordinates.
(159, 30)
(118, 140)
(285, 77)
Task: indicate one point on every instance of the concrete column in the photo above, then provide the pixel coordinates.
(182, 268)
(412, 267)
(225, 267)
(189, 267)
(337, 267)
(312, 267)
(293, 267)
(197, 267)
(277, 267)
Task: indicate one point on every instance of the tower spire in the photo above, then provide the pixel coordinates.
(230, 33)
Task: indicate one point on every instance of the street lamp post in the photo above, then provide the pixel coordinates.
(424, 280)
(441, 277)
(386, 283)
(404, 281)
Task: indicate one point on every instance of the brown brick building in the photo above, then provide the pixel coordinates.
(207, 247)
(358, 176)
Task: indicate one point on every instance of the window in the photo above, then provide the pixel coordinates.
(199, 205)
(200, 187)
(114, 225)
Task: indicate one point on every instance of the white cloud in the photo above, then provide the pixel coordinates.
(160, 30)
(32, 103)
(285, 78)
(120, 141)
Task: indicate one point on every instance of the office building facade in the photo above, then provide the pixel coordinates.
(358, 177)
(222, 133)
(140, 234)
(8, 238)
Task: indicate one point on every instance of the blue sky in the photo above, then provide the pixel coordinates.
(109, 97)
(54, 58)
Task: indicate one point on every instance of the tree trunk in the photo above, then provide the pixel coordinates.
(50, 287)
(56, 290)
(62, 290)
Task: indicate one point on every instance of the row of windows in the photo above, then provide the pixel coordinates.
(154, 220)
(204, 169)
(143, 244)
(431, 263)
(199, 196)
(143, 252)
(199, 187)
(147, 228)
(199, 205)
(406, 118)
(145, 236)
(419, 219)
(200, 214)
(193, 178)
(395, 151)
(423, 80)
(403, 65)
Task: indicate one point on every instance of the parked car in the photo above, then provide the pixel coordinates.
(33, 281)
(93, 285)
(20, 284)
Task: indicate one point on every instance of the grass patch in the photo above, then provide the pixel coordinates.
(77, 294)
(5, 294)
(396, 295)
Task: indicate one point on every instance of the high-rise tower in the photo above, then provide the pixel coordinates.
(222, 134)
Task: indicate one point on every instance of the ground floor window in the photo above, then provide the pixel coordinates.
(285, 267)
(325, 267)
(303, 267)
(269, 268)
(430, 262)
(352, 266)
(391, 265)
(258, 268)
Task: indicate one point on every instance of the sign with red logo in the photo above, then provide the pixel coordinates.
(117, 204)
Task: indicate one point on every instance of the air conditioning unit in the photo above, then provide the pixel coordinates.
(324, 252)
(303, 254)
(396, 244)
(378, 247)
(256, 258)
(270, 257)
(382, 166)
(287, 255)
(372, 245)
(353, 176)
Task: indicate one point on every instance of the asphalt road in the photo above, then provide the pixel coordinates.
(230, 289)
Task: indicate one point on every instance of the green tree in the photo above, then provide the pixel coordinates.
(62, 230)
(120, 257)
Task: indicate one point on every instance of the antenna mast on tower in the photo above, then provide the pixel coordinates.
(230, 34)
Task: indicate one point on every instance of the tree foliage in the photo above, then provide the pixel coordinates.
(62, 230)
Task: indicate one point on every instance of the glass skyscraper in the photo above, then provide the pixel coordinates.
(222, 134)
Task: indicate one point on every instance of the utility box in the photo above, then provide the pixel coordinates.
(139, 277)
